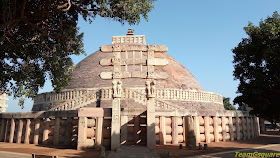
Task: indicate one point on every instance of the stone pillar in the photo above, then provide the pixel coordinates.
(68, 130)
(124, 121)
(237, 124)
(224, 128)
(136, 129)
(7, 126)
(2, 130)
(115, 130)
(248, 127)
(19, 131)
(151, 118)
(190, 140)
(36, 131)
(162, 130)
(262, 126)
(252, 127)
(56, 131)
(82, 135)
(257, 126)
(117, 93)
(196, 129)
(243, 128)
(46, 131)
(207, 131)
(216, 130)
(98, 134)
(12, 131)
(27, 131)
(231, 128)
(174, 130)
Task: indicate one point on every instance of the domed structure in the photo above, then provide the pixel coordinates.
(133, 62)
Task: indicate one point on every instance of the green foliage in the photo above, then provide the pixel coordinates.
(38, 37)
(242, 107)
(227, 104)
(257, 67)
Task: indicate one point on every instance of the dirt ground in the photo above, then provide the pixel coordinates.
(175, 152)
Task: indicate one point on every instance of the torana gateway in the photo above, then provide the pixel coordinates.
(128, 93)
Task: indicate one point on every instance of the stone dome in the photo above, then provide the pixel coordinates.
(87, 74)
(137, 67)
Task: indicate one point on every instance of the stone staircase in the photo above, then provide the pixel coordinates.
(91, 96)
(159, 103)
(77, 102)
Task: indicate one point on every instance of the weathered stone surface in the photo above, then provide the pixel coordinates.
(133, 47)
(133, 63)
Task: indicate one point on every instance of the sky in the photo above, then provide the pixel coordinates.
(199, 34)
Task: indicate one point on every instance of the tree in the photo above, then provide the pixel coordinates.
(242, 107)
(257, 67)
(37, 38)
(227, 104)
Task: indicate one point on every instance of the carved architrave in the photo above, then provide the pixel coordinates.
(117, 75)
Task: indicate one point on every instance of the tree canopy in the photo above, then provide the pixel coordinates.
(227, 104)
(257, 67)
(37, 38)
(242, 107)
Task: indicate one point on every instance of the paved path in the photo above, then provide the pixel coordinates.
(133, 152)
(272, 148)
(6, 154)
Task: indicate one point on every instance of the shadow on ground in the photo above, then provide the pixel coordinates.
(271, 137)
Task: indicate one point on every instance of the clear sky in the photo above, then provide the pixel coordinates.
(199, 34)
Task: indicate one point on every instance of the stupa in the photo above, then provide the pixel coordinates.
(136, 62)
(128, 93)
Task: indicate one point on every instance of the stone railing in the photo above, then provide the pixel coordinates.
(129, 39)
(223, 125)
(188, 95)
(69, 94)
(77, 102)
(137, 93)
(91, 127)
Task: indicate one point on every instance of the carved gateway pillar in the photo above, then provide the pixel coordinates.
(150, 90)
(117, 93)
(124, 68)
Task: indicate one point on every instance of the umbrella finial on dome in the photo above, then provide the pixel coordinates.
(130, 32)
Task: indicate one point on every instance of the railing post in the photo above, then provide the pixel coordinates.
(56, 131)
(36, 131)
(82, 135)
(174, 130)
(27, 131)
(162, 130)
(207, 130)
(237, 124)
(216, 130)
(231, 128)
(98, 135)
(224, 128)
(191, 137)
(12, 131)
(19, 132)
(2, 130)
(46, 131)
